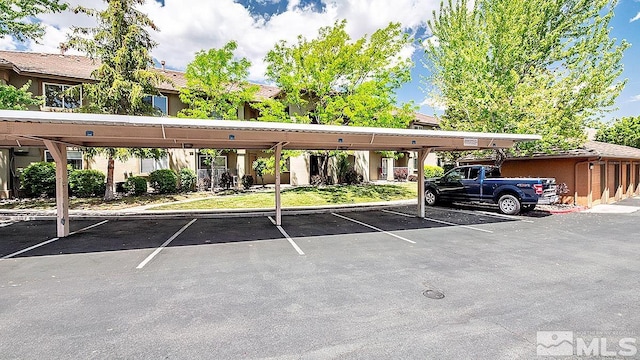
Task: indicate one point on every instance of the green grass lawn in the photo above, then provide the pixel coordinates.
(257, 198)
(303, 196)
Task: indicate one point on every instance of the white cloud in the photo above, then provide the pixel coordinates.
(188, 26)
(434, 103)
(637, 17)
(635, 98)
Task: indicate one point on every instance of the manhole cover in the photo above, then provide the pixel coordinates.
(433, 294)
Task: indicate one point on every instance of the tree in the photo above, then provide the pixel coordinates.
(336, 81)
(14, 21)
(624, 131)
(12, 98)
(15, 17)
(260, 167)
(524, 66)
(124, 76)
(216, 84)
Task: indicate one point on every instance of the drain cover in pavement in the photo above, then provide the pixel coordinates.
(433, 294)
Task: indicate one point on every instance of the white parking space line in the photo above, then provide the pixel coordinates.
(164, 245)
(476, 212)
(5, 223)
(399, 213)
(49, 241)
(439, 221)
(289, 239)
(89, 227)
(374, 228)
(454, 224)
(29, 248)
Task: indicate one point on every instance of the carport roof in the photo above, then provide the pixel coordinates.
(31, 128)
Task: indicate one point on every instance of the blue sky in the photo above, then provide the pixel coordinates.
(188, 26)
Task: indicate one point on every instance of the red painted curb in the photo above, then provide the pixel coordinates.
(567, 211)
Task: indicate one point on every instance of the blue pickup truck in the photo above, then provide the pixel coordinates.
(480, 183)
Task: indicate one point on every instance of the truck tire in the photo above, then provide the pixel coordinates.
(509, 204)
(430, 197)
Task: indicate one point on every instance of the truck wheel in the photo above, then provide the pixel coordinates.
(509, 204)
(430, 197)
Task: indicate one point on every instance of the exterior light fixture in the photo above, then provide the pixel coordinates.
(88, 133)
(232, 137)
(413, 142)
(340, 140)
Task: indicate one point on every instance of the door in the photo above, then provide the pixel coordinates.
(451, 186)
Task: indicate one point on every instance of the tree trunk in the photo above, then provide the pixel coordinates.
(501, 156)
(108, 192)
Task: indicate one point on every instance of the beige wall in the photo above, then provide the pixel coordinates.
(299, 170)
(5, 173)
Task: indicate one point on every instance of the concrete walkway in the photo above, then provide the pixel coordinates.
(626, 206)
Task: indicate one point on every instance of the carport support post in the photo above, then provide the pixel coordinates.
(278, 197)
(422, 156)
(59, 153)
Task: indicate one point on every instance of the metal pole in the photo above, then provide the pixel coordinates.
(422, 156)
(278, 197)
(59, 153)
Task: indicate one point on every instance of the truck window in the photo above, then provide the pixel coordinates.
(492, 172)
(473, 173)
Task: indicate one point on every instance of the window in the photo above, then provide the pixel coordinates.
(627, 182)
(158, 102)
(74, 158)
(616, 177)
(62, 96)
(219, 162)
(149, 165)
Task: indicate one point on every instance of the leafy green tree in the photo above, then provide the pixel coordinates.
(524, 66)
(216, 84)
(624, 131)
(15, 17)
(334, 80)
(260, 167)
(12, 98)
(122, 44)
(15, 21)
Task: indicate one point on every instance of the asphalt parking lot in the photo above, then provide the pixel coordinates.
(331, 285)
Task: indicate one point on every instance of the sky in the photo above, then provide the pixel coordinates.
(187, 26)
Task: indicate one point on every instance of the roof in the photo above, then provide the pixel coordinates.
(590, 149)
(425, 120)
(79, 68)
(30, 128)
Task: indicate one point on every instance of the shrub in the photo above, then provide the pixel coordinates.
(351, 177)
(188, 180)
(316, 180)
(412, 177)
(39, 179)
(247, 181)
(226, 180)
(164, 181)
(431, 171)
(400, 174)
(87, 183)
(136, 185)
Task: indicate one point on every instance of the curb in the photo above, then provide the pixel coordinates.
(567, 211)
(26, 215)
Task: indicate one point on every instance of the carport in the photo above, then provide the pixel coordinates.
(58, 130)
